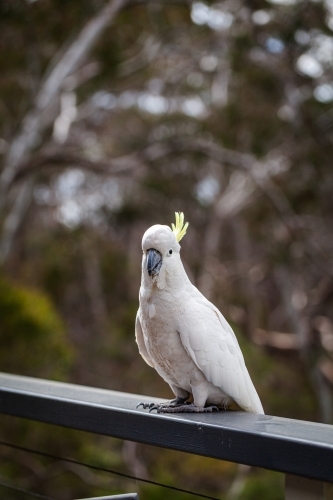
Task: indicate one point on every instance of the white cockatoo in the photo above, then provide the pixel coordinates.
(184, 336)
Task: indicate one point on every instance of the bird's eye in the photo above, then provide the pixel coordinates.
(170, 252)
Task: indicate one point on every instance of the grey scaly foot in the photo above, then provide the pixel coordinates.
(186, 408)
(174, 402)
(168, 404)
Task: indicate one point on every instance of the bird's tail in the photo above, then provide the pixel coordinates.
(253, 404)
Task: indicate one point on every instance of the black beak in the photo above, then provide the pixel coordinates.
(154, 261)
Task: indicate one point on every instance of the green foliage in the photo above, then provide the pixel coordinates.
(277, 379)
(31, 333)
(267, 485)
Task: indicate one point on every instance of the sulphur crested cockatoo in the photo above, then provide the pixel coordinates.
(184, 336)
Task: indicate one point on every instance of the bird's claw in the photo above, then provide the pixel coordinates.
(145, 405)
(163, 408)
(155, 407)
(213, 408)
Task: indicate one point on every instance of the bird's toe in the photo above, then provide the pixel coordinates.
(211, 409)
(145, 405)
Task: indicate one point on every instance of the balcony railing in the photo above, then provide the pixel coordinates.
(302, 450)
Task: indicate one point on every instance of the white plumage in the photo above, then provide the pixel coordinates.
(184, 336)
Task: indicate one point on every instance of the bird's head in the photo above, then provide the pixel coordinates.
(160, 245)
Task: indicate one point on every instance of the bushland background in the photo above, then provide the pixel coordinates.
(114, 115)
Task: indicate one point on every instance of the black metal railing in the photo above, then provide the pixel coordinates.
(295, 447)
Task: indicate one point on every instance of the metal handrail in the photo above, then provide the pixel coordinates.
(281, 444)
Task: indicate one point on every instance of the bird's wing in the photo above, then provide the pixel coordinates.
(140, 341)
(211, 343)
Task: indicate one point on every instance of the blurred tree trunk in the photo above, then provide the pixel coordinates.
(300, 325)
(94, 286)
(243, 255)
(210, 251)
(15, 217)
(42, 113)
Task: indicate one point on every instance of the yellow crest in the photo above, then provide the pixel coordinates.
(180, 228)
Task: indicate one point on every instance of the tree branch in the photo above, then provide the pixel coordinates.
(277, 340)
(14, 219)
(49, 89)
(260, 172)
(117, 166)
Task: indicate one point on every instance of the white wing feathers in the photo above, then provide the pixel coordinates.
(211, 343)
(141, 343)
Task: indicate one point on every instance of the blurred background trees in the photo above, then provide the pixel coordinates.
(114, 115)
